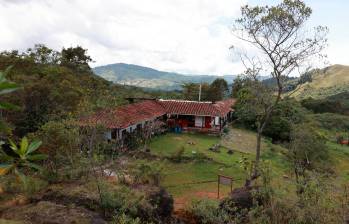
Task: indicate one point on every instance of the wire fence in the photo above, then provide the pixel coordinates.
(197, 182)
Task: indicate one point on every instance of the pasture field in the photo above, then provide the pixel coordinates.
(195, 175)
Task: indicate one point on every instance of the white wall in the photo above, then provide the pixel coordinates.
(216, 121)
(199, 121)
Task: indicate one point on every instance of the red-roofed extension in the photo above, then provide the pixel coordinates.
(127, 115)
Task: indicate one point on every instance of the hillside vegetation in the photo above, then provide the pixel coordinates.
(75, 173)
(326, 82)
(140, 76)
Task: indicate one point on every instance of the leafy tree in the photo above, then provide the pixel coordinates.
(218, 89)
(21, 158)
(282, 44)
(215, 91)
(43, 55)
(335, 104)
(305, 77)
(238, 84)
(76, 57)
(307, 152)
(61, 141)
(191, 91)
(287, 113)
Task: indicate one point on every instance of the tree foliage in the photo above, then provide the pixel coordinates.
(277, 33)
(217, 90)
(54, 87)
(307, 152)
(76, 58)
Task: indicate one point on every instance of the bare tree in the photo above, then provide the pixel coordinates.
(149, 129)
(282, 45)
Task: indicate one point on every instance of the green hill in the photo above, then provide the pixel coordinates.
(325, 82)
(135, 75)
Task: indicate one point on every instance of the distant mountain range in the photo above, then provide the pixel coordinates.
(323, 82)
(135, 75)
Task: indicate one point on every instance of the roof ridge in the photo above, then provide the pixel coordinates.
(185, 101)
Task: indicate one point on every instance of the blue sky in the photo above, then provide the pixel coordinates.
(186, 36)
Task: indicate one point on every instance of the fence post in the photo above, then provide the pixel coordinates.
(218, 187)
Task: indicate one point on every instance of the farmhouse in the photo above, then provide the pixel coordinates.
(178, 115)
(210, 117)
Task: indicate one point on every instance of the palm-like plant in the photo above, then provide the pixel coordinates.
(23, 158)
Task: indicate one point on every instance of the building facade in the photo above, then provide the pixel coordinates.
(178, 115)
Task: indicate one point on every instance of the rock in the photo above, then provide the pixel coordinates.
(215, 148)
(22, 200)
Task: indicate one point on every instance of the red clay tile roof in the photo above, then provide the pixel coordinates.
(124, 116)
(219, 108)
(225, 106)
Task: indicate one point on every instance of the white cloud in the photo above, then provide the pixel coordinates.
(190, 36)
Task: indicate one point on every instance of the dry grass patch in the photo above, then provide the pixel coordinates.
(241, 140)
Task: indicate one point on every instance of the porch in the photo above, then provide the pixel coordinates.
(193, 123)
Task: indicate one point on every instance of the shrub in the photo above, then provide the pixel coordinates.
(286, 113)
(61, 143)
(201, 157)
(33, 186)
(315, 206)
(163, 201)
(148, 173)
(207, 212)
(157, 206)
(129, 205)
(177, 156)
(124, 219)
(332, 121)
(10, 184)
(338, 103)
(121, 200)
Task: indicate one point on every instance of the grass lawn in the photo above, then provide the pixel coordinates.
(183, 179)
(197, 178)
(340, 158)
